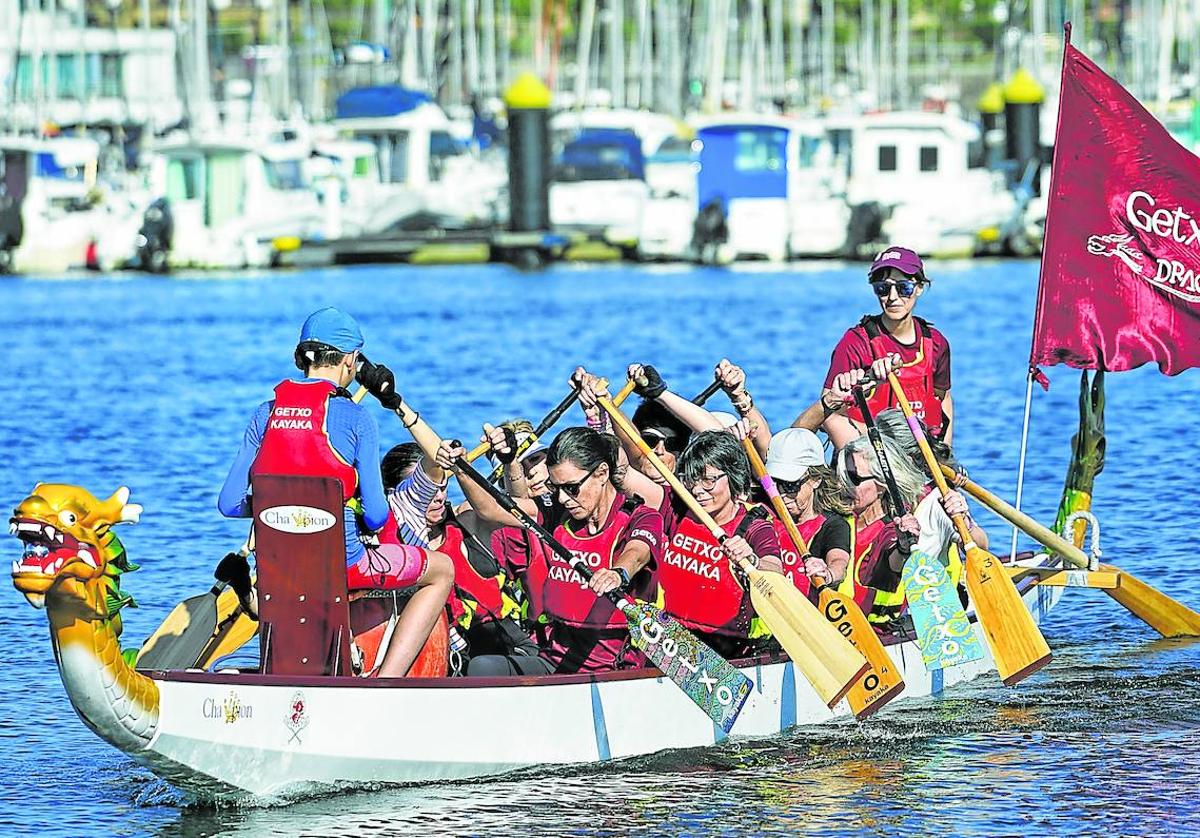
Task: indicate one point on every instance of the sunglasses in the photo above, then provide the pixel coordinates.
(572, 490)
(706, 483)
(904, 287)
(790, 487)
(852, 474)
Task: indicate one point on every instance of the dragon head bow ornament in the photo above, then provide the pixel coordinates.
(69, 549)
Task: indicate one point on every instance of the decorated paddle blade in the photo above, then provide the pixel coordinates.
(944, 634)
(716, 687)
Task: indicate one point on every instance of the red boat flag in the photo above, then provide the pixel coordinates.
(1120, 282)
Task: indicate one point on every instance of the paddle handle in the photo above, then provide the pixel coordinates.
(789, 523)
(1044, 535)
(914, 424)
(707, 393)
(359, 395)
(546, 424)
(630, 431)
(624, 392)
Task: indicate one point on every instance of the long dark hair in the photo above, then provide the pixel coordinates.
(586, 448)
(398, 463)
(721, 450)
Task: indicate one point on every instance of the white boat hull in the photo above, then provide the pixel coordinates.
(228, 734)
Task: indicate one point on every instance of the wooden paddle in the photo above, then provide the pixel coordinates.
(711, 682)
(882, 682)
(821, 653)
(944, 634)
(180, 640)
(1167, 616)
(1016, 643)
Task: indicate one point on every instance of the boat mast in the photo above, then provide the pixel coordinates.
(471, 47)
(616, 51)
(583, 52)
(488, 13)
(902, 92)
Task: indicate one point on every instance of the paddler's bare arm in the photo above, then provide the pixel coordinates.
(948, 417)
(733, 382)
(425, 437)
(483, 504)
(633, 558)
(636, 480)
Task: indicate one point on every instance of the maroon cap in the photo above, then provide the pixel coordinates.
(900, 258)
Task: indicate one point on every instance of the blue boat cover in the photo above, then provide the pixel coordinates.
(742, 161)
(601, 154)
(384, 100)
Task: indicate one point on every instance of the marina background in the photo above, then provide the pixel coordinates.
(146, 382)
(170, 135)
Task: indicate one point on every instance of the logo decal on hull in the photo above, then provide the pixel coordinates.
(296, 718)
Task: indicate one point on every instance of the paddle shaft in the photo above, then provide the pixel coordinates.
(1043, 534)
(960, 524)
(546, 424)
(513, 508)
(895, 501)
(789, 524)
(707, 393)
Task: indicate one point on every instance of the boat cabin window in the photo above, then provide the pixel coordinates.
(224, 190)
(183, 179)
(976, 154)
(442, 146)
(887, 158)
(284, 174)
(391, 153)
(929, 158)
(760, 150)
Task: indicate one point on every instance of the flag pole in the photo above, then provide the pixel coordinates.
(1012, 550)
(1037, 316)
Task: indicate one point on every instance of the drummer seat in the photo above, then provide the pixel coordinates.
(300, 549)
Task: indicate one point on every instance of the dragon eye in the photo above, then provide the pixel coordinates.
(67, 518)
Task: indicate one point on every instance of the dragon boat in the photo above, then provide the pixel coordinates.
(232, 733)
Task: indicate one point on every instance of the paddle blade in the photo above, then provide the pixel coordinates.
(1163, 614)
(716, 687)
(180, 640)
(944, 634)
(882, 681)
(1014, 638)
(819, 651)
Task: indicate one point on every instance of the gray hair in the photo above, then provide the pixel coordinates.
(893, 426)
(909, 480)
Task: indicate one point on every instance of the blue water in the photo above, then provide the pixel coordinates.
(148, 383)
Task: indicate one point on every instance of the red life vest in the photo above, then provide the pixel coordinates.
(523, 558)
(916, 376)
(485, 591)
(699, 586)
(566, 598)
(793, 566)
(295, 441)
(869, 542)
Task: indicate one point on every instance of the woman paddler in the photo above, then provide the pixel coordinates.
(815, 499)
(701, 589)
(618, 536)
(485, 601)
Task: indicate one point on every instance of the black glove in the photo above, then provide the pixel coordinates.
(380, 383)
(654, 386)
(510, 440)
(234, 571)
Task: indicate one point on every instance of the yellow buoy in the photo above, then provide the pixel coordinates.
(992, 100)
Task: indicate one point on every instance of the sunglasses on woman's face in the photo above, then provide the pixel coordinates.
(904, 287)
(572, 490)
(852, 474)
(790, 487)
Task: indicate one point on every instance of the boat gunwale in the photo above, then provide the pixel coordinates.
(485, 682)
